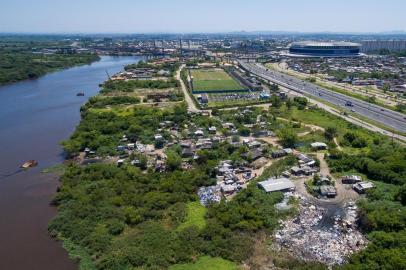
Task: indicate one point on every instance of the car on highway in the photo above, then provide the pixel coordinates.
(348, 103)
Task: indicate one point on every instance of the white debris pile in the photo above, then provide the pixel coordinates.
(209, 194)
(284, 204)
(303, 236)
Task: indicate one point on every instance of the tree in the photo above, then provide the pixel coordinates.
(288, 137)
(276, 101)
(173, 160)
(244, 131)
(372, 99)
(402, 194)
(274, 87)
(235, 138)
(330, 133)
(301, 102)
(215, 112)
(385, 87)
(159, 144)
(289, 103)
(400, 107)
(311, 79)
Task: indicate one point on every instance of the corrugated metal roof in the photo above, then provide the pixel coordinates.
(271, 185)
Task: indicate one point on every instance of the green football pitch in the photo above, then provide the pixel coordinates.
(214, 80)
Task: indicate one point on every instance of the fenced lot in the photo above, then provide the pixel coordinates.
(214, 80)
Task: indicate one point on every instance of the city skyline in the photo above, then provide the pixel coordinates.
(179, 16)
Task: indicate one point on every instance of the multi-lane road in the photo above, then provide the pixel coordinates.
(389, 118)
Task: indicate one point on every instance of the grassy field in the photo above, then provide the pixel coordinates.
(214, 80)
(195, 216)
(207, 263)
(324, 119)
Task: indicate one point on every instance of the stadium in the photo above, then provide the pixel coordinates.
(324, 49)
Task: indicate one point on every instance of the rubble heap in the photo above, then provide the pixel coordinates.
(303, 236)
(209, 194)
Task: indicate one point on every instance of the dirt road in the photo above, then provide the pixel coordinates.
(344, 192)
(190, 104)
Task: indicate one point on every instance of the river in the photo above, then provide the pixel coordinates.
(35, 116)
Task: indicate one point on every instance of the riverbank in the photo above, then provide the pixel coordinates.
(35, 116)
(19, 66)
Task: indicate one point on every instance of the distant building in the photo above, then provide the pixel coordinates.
(376, 45)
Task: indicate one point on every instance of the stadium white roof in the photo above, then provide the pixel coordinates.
(325, 43)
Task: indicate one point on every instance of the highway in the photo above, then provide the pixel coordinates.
(389, 118)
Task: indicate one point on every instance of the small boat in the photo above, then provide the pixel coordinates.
(80, 94)
(29, 164)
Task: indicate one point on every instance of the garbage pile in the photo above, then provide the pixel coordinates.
(209, 194)
(331, 245)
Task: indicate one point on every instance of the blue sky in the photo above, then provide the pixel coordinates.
(185, 16)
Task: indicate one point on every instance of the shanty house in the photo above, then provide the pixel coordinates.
(362, 187)
(351, 179)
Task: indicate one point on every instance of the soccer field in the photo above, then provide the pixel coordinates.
(214, 80)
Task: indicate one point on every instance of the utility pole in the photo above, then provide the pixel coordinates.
(108, 75)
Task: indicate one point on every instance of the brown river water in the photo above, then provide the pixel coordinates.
(35, 116)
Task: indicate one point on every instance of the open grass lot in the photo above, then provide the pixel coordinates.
(324, 119)
(214, 80)
(195, 216)
(207, 263)
(316, 117)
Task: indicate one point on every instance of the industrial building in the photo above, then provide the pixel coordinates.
(280, 184)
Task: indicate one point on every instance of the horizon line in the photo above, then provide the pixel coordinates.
(254, 32)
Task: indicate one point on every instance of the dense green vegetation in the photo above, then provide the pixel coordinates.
(101, 102)
(124, 217)
(383, 213)
(195, 214)
(131, 217)
(133, 85)
(19, 62)
(171, 67)
(207, 263)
